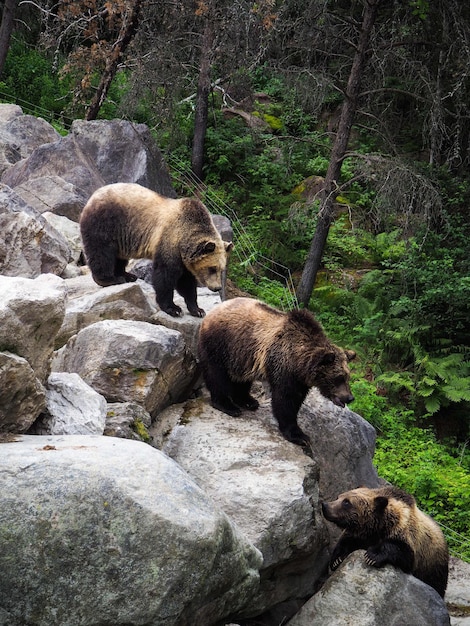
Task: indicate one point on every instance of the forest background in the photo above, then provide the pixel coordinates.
(336, 137)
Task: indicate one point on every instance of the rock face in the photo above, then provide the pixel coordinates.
(342, 442)
(359, 594)
(23, 397)
(111, 531)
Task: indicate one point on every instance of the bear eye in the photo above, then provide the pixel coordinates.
(346, 503)
(212, 270)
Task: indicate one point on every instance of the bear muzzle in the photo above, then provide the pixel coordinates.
(342, 401)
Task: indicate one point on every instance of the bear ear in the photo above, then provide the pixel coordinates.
(203, 248)
(380, 503)
(350, 355)
(228, 246)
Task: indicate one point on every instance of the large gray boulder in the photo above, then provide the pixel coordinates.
(91, 155)
(31, 313)
(99, 530)
(357, 594)
(269, 486)
(264, 483)
(126, 360)
(342, 443)
(88, 303)
(29, 245)
(72, 408)
(20, 134)
(22, 396)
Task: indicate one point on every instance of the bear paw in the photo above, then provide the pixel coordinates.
(196, 311)
(334, 564)
(374, 558)
(174, 310)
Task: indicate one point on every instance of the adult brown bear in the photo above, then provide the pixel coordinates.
(242, 340)
(387, 524)
(125, 221)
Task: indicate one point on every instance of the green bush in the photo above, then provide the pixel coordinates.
(29, 80)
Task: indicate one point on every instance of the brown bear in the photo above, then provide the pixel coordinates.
(242, 340)
(387, 524)
(125, 220)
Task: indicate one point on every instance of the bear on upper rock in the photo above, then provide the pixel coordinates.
(125, 221)
(242, 340)
(386, 522)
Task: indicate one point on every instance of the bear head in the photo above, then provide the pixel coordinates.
(328, 370)
(207, 262)
(369, 512)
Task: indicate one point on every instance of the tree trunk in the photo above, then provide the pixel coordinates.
(348, 111)
(202, 100)
(6, 28)
(128, 28)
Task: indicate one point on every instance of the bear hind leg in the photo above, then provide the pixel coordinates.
(242, 397)
(221, 389)
(103, 268)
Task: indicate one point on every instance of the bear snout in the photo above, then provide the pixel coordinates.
(327, 512)
(343, 400)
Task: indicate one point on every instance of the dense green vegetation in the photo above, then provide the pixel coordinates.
(394, 286)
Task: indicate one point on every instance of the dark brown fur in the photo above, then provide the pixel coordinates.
(124, 221)
(243, 340)
(387, 524)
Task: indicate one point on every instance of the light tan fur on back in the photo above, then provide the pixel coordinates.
(264, 324)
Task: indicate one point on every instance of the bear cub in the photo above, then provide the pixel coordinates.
(125, 221)
(387, 524)
(243, 340)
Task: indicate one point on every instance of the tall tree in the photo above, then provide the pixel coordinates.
(203, 90)
(6, 29)
(128, 28)
(348, 112)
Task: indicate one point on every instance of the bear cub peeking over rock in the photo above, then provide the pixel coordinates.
(125, 221)
(387, 524)
(243, 340)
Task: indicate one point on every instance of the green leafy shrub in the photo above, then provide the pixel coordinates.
(29, 80)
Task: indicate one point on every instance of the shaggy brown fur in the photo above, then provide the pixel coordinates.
(243, 340)
(124, 220)
(387, 523)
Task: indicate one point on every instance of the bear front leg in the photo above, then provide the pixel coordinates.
(187, 287)
(345, 546)
(286, 400)
(165, 275)
(120, 271)
(392, 552)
